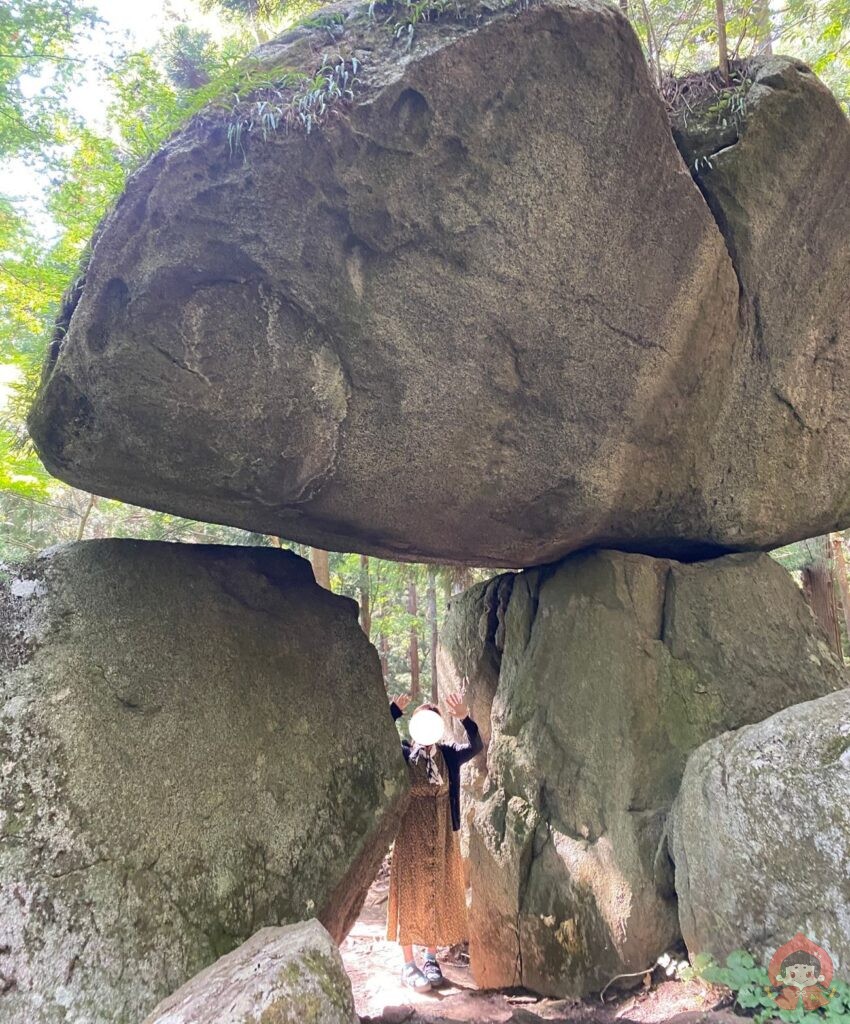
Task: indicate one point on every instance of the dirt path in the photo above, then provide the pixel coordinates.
(373, 964)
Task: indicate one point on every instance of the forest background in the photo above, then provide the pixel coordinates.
(88, 90)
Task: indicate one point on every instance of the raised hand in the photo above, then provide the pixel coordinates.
(457, 705)
(401, 701)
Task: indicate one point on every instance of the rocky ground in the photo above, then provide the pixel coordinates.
(373, 966)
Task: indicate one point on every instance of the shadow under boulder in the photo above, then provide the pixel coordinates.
(195, 744)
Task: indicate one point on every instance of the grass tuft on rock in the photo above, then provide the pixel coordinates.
(290, 99)
(707, 111)
(706, 94)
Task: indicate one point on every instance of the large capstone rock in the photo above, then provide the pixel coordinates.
(291, 975)
(760, 834)
(482, 314)
(195, 744)
(613, 668)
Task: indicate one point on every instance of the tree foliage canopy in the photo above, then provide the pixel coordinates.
(37, 45)
(679, 36)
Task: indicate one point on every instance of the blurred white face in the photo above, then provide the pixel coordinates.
(426, 727)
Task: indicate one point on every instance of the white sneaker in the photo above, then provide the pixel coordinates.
(413, 978)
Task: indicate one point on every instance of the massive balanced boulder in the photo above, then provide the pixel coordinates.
(760, 835)
(195, 744)
(613, 667)
(483, 313)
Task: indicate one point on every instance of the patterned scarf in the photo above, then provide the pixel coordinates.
(417, 753)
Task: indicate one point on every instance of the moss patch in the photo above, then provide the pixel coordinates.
(833, 751)
(326, 972)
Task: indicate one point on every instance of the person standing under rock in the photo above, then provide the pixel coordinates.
(427, 897)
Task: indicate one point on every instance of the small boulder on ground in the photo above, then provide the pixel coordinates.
(760, 835)
(291, 975)
(195, 744)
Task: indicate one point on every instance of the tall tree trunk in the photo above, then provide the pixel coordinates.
(365, 607)
(722, 47)
(260, 33)
(432, 621)
(85, 517)
(764, 27)
(321, 567)
(447, 587)
(414, 640)
(819, 588)
(384, 654)
(840, 566)
(654, 54)
(461, 578)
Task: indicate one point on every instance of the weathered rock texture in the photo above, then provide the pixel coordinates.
(291, 975)
(469, 657)
(778, 188)
(195, 744)
(484, 314)
(760, 834)
(614, 667)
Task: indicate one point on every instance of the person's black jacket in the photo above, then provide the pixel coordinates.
(454, 754)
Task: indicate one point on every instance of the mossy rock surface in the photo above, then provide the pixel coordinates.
(613, 668)
(760, 835)
(291, 975)
(196, 744)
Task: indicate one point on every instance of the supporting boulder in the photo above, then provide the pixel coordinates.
(613, 668)
(760, 835)
(290, 975)
(477, 315)
(469, 657)
(195, 744)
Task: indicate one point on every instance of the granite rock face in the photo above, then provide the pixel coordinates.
(469, 658)
(777, 186)
(177, 772)
(462, 321)
(612, 669)
(291, 975)
(760, 835)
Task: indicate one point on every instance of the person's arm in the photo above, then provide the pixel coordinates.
(460, 753)
(474, 746)
(397, 706)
